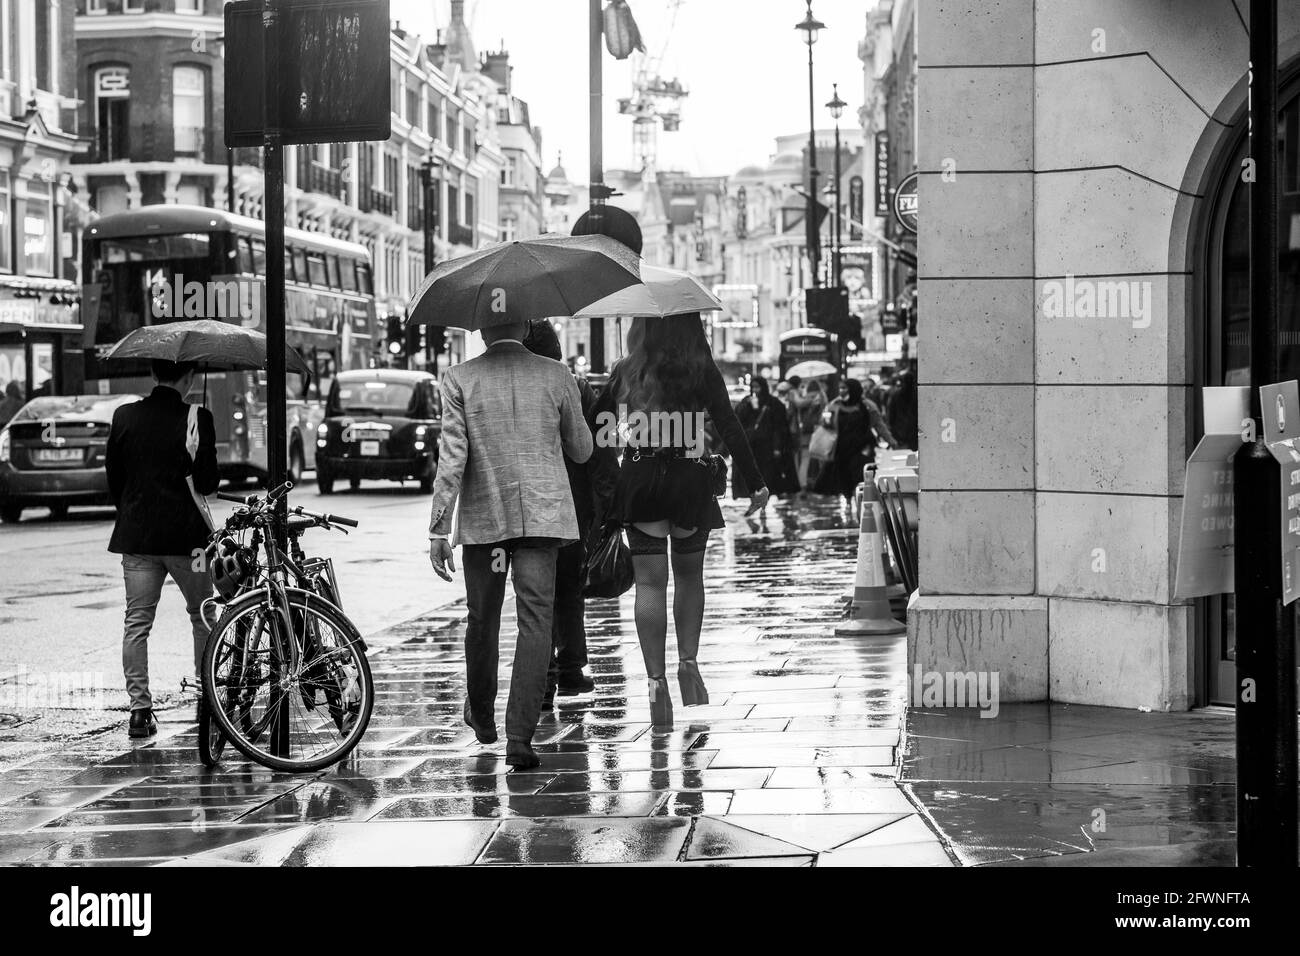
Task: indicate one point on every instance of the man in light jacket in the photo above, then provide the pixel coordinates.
(509, 418)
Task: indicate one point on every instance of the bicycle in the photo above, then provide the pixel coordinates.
(276, 644)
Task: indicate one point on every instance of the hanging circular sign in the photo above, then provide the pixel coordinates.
(905, 203)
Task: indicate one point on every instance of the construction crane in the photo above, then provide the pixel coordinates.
(655, 101)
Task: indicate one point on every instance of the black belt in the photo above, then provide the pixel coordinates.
(634, 454)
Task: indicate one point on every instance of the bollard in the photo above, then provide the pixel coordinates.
(870, 613)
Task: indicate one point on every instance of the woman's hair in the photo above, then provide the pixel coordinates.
(815, 386)
(542, 340)
(666, 363)
(763, 388)
(855, 390)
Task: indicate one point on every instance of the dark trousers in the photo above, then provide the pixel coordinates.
(533, 560)
(569, 632)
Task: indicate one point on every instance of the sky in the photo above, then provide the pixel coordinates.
(744, 63)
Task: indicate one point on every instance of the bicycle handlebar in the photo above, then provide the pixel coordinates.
(247, 500)
(325, 518)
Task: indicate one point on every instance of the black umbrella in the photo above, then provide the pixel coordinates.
(216, 346)
(518, 281)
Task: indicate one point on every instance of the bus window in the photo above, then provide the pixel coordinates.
(246, 256)
(363, 279)
(335, 281)
(259, 257)
(300, 264)
(348, 272)
(316, 269)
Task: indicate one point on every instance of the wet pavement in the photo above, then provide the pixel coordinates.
(1068, 785)
(793, 763)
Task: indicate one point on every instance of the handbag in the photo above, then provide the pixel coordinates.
(821, 446)
(608, 572)
(717, 467)
(192, 446)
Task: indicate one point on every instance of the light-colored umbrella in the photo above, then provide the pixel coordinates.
(661, 292)
(813, 368)
(216, 346)
(518, 281)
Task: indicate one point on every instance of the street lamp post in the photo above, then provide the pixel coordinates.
(810, 25)
(429, 225)
(836, 106)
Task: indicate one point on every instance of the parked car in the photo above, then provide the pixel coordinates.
(379, 423)
(52, 454)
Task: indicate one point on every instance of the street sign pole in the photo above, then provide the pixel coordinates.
(426, 183)
(1265, 627)
(596, 188)
(273, 202)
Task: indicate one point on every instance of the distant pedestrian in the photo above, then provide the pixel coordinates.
(763, 419)
(12, 402)
(591, 484)
(161, 530)
(664, 492)
(858, 426)
(901, 410)
(509, 418)
(809, 402)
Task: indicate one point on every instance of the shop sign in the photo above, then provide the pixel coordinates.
(905, 203)
(34, 312)
(882, 174)
(1281, 410)
(1205, 543)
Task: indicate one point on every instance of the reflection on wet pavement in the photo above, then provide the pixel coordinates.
(1069, 785)
(792, 762)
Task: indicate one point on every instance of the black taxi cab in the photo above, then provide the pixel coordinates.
(380, 424)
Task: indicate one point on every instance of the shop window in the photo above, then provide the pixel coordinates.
(6, 223)
(38, 230)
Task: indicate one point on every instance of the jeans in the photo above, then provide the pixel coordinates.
(569, 633)
(144, 575)
(533, 560)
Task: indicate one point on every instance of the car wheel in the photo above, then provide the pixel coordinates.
(354, 483)
(58, 511)
(426, 479)
(324, 480)
(11, 514)
(296, 464)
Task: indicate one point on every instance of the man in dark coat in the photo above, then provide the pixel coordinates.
(592, 486)
(159, 530)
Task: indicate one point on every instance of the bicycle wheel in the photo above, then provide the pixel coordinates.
(211, 740)
(286, 717)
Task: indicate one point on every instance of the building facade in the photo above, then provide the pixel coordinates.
(153, 109)
(1054, 440)
(40, 213)
(522, 211)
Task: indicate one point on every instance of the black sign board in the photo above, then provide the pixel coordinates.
(882, 173)
(828, 308)
(855, 207)
(334, 72)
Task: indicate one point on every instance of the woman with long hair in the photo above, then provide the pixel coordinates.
(665, 490)
(768, 433)
(858, 424)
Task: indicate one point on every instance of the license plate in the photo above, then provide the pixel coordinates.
(370, 448)
(59, 455)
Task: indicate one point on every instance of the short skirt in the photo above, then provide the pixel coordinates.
(679, 490)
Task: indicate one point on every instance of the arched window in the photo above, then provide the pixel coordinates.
(189, 111)
(112, 112)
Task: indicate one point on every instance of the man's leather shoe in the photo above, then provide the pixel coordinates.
(582, 684)
(486, 733)
(142, 723)
(521, 756)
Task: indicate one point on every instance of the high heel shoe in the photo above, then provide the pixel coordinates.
(661, 705)
(692, 685)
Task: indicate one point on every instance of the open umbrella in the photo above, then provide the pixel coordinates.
(518, 281)
(216, 346)
(813, 368)
(662, 292)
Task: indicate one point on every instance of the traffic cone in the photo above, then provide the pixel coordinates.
(870, 613)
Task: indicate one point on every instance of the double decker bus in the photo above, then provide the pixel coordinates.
(163, 263)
